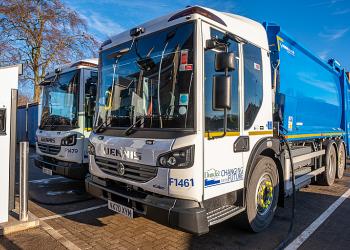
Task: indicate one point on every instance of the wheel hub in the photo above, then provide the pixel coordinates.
(264, 194)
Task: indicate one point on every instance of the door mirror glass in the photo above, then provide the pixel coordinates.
(45, 83)
(224, 61)
(2, 121)
(221, 92)
(90, 107)
(92, 90)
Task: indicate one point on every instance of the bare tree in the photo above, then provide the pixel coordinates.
(22, 100)
(42, 33)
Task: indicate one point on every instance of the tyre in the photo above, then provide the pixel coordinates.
(341, 160)
(330, 162)
(262, 194)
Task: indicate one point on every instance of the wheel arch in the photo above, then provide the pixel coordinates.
(270, 147)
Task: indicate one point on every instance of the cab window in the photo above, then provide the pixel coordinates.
(214, 119)
(90, 99)
(253, 83)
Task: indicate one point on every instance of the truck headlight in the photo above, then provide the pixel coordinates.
(178, 158)
(70, 140)
(91, 149)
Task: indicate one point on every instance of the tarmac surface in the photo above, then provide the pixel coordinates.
(73, 220)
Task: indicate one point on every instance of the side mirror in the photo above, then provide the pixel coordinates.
(92, 91)
(221, 92)
(146, 64)
(224, 61)
(90, 106)
(45, 83)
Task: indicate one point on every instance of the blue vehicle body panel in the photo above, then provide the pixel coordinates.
(345, 86)
(310, 101)
(31, 115)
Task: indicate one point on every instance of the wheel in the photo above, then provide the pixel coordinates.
(330, 161)
(262, 194)
(341, 160)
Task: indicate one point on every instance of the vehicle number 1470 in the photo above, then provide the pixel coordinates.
(181, 182)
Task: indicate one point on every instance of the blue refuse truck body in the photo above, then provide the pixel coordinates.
(312, 97)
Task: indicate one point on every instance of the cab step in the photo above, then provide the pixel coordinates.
(223, 213)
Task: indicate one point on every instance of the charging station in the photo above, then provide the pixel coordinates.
(8, 107)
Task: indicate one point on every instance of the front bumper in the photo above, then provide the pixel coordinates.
(183, 214)
(68, 169)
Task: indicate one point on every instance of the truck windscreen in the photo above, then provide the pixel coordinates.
(60, 101)
(152, 84)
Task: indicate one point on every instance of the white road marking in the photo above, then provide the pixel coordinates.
(47, 179)
(44, 180)
(59, 237)
(297, 242)
(72, 213)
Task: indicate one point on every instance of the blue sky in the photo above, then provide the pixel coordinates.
(323, 26)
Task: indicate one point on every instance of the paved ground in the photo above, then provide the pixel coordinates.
(100, 228)
(34, 239)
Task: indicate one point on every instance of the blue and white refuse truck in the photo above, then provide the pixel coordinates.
(198, 113)
(66, 117)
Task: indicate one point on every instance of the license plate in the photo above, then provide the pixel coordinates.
(47, 171)
(120, 209)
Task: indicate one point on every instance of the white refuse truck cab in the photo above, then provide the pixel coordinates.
(195, 112)
(65, 119)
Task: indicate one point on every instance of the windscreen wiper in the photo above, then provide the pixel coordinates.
(49, 82)
(129, 130)
(169, 36)
(103, 125)
(51, 124)
(43, 122)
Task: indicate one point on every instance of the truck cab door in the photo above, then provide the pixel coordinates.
(223, 161)
(88, 93)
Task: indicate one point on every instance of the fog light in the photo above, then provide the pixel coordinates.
(162, 161)
(178, 158)
(70, 140)
(172, 161)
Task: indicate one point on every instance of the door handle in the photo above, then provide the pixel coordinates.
(2, 121)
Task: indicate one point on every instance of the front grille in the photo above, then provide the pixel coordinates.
(49, 149)
(133, 172)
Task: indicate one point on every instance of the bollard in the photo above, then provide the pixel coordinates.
(23, 181)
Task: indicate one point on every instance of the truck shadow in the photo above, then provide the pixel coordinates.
(60, 195)
(63, 197)
(310, 203)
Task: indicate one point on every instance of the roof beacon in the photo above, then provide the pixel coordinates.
(197, 10)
